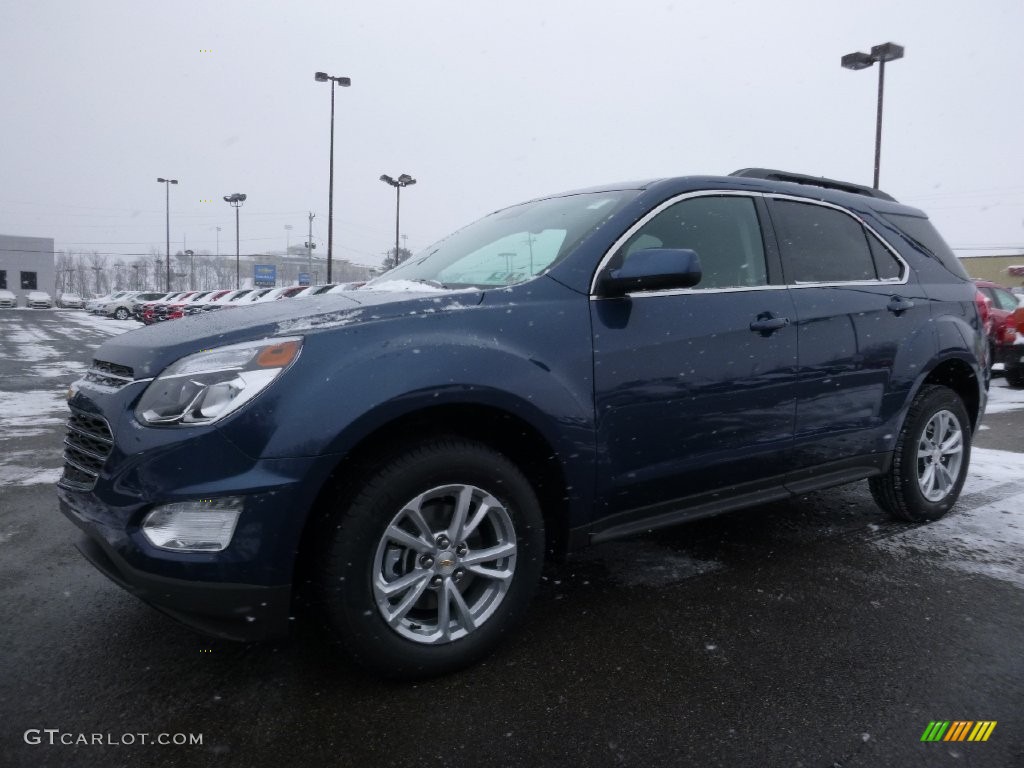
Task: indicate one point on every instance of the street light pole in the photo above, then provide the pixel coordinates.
(858, 60)
(345, 82)
(167, 187)
(405, 180)
(235, 201)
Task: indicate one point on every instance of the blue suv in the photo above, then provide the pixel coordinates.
(562, 372)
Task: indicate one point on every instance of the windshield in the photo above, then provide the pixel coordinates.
(509, 246)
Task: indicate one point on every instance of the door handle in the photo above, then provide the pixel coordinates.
(766, 325)
(897, 305)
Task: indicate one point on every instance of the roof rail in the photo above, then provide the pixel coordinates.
(816, 181)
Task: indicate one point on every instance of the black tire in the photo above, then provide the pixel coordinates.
(354, 539)
(899, 491)
(121, 313)
(1015, 377)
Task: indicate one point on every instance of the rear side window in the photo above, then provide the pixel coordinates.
(887, 266)
(921, 233)
(822, 245)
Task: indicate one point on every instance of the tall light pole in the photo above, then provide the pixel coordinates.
(880, 53)
(405, 180)
(191, 269)
(218, 242)
(167, 187)
(310, 245)
(235, 201)
(287, 237)
(344, 82)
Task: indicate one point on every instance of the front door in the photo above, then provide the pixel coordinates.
(694, 388)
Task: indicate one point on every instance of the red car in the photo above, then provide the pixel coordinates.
(1006, 323)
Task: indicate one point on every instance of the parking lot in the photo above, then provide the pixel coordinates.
(807, 633)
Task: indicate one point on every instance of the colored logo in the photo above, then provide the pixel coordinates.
(958, 730)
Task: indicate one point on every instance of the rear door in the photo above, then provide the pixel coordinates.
(861, 317)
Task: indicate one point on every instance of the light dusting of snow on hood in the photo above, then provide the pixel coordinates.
(328, 320)
(412, 286)
(986, 540)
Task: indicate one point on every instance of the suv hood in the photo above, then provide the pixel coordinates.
(149, 350)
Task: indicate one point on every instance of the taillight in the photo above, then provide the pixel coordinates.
(984, 310)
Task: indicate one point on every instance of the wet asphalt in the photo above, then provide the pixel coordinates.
(785, 635)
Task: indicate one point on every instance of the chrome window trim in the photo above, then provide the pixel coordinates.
(903, 280)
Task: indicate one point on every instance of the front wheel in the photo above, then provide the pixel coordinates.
(1015, 377)
(121, 313)
(930, 461)
(434, 559)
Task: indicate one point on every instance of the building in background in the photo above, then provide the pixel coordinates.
(27, 264)
(1005, 270)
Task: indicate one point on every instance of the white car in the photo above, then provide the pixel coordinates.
(122, 307)
(314, 290)
(70, 301)
(8, 300)
(93, 305)
(342, 287)
(38, 300)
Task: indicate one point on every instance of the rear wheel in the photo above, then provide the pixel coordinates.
(1015, 377)
(434, 560)
(930, 461)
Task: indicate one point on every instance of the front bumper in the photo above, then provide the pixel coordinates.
(243, 612)
(240, 593)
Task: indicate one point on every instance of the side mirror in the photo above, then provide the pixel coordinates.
(652, 269)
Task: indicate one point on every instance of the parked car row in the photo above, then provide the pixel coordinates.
(166, 306)
(172, 306)
(33, 300)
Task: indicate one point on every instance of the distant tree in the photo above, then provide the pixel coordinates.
(394, 258)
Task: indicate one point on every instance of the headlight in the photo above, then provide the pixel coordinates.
(207, 386)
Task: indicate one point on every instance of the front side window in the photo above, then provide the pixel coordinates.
(821, 245)
(28, 281)
(723, 231)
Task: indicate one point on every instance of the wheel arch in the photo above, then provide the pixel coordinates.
(957, 374)
(510, 434)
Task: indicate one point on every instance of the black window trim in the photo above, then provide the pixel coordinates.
(905, 267)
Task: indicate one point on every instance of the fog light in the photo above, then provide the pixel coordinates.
(203, 525)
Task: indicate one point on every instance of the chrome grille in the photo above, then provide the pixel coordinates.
(87, 446)
(109, 374)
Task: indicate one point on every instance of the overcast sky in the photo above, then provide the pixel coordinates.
(485, 104)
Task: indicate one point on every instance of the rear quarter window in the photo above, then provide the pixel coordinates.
(922, 234)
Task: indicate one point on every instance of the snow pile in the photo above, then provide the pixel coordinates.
(646, 564)
(1002, 398)
(988, 539)
(102, 324)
